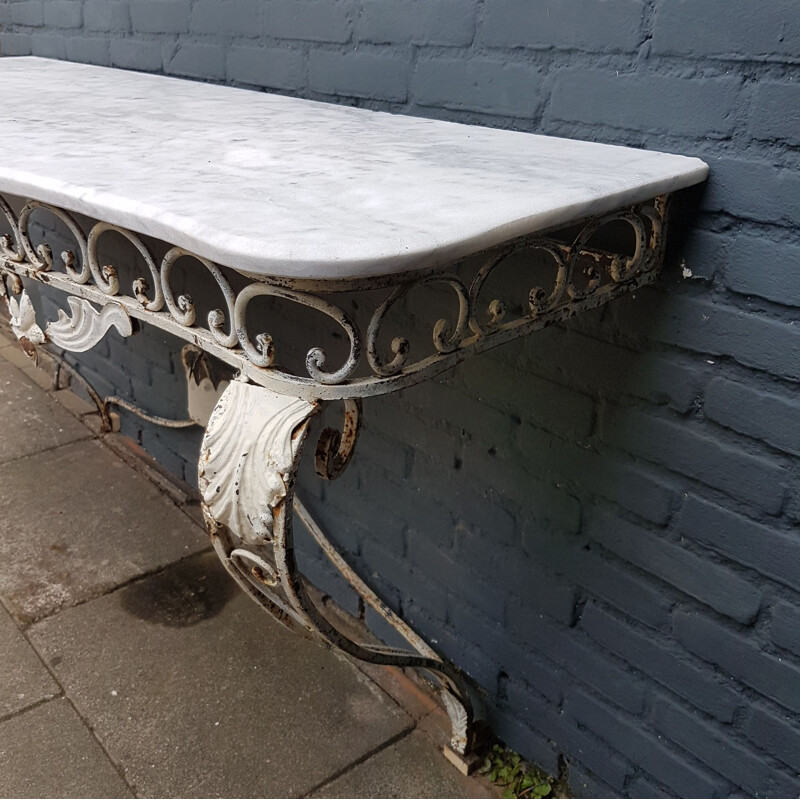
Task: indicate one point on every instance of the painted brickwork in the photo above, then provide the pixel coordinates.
(599, 523)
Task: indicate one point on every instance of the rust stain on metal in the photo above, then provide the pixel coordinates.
(29, 348)
(334, 449)
(262, 577)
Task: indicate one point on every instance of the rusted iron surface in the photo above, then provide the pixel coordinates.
(334, 448)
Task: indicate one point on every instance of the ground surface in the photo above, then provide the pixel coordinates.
(133, 667)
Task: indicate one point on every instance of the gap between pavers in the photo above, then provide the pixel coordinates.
(32, 420)
(407, 768)
(419, 705)
(25, 681)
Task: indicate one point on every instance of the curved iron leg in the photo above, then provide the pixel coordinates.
(248, 463)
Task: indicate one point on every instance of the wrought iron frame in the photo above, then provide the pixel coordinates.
(254, 438)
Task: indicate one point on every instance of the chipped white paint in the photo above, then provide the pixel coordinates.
(87, 326)
(277, 186)
(248, 455)
(23, 319)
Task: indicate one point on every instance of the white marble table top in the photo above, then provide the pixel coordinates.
(276, 186)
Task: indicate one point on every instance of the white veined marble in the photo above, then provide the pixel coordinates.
(278, 186)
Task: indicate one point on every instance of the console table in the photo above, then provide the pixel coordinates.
(306, 202)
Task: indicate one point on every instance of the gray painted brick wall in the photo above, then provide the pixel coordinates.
(599, 524)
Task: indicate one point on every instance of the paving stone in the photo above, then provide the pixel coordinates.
(49, 752)
(25, 680)
(409, 768)
(78, 522)
(16, 356)
(194, 691)
(31, 420)
(74, 404)
(39, 377)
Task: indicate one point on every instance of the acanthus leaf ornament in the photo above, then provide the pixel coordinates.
(87, 326)
(247, 458)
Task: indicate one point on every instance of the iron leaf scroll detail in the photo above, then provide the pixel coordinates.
(87, 326)
(247, 457)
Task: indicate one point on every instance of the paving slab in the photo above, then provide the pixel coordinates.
(31, 421)
(411, 767)
(194, 691)
(77, 522)
(25, 680)
(48, 752)
(73, 403)
(17, 356)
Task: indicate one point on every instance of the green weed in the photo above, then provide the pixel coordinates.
(516, 777)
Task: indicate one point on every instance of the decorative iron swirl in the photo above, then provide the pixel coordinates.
(42, 256)
(106, 277)
(601, 271)
(155, 291)
(538, 300)
(10, 246)
(182, 308)
(262, 354)
(621, 268)
(446, 337)
(335, 448)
